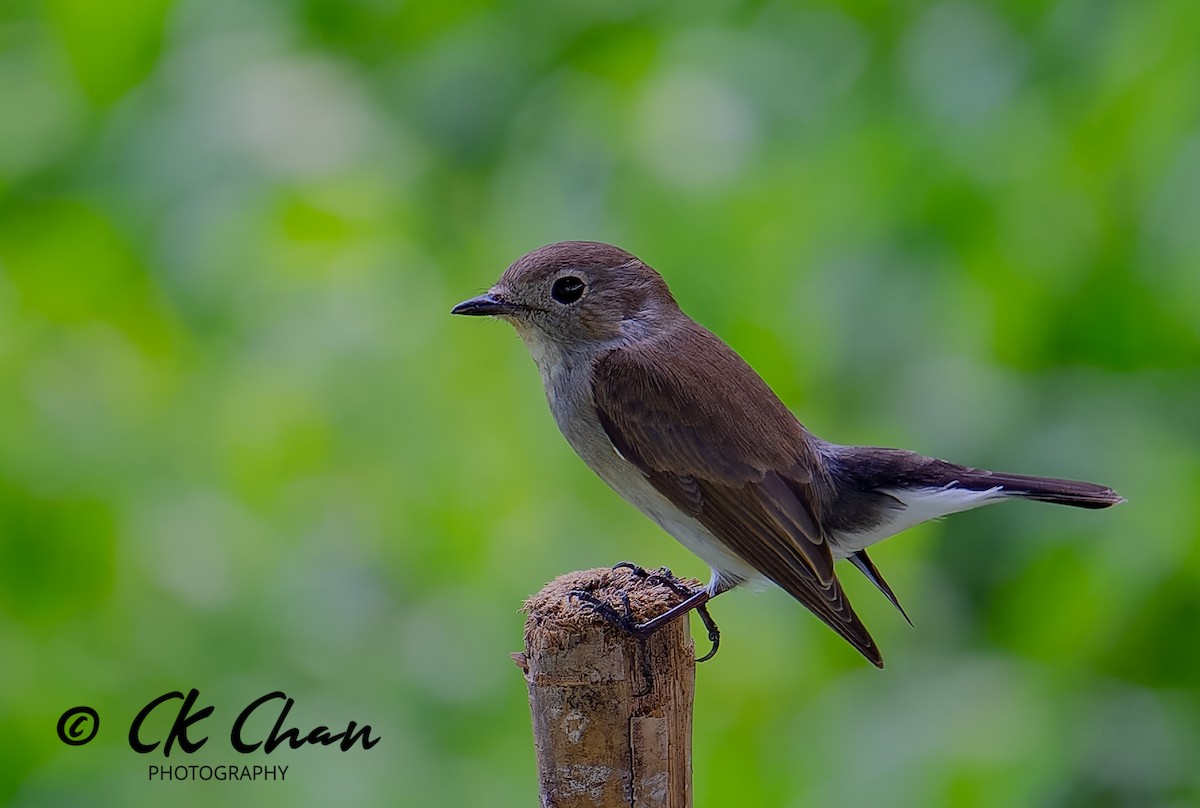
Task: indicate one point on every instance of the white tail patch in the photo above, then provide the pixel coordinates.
(920, 505)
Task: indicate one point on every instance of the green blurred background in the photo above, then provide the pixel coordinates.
(244, 447)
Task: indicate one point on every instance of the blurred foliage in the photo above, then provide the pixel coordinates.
(243, 447)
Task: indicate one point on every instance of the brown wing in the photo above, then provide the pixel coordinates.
(738, 462)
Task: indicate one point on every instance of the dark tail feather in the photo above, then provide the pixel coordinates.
(1044, 489)
(869, 468)
(867, 568)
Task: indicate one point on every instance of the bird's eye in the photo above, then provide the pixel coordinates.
(567, 289)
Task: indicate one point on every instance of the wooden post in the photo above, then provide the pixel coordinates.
(612, 714)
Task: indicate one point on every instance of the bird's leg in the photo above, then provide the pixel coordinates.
(696, 600)
(667, 578)
(692, 599)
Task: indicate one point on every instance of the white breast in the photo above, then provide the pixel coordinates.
(568, 384)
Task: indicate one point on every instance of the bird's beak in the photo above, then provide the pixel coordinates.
(488, 303)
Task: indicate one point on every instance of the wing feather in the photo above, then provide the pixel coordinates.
(741, 464)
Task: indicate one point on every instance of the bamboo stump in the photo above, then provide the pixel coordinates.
(612, 714)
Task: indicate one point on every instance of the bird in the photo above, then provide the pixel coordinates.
(681, 427)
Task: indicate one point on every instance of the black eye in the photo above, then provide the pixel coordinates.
(567, 289)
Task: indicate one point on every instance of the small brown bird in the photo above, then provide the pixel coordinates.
(681, 427)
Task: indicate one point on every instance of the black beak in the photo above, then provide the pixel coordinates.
(485, 304)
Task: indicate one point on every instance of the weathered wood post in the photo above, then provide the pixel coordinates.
(612, 714)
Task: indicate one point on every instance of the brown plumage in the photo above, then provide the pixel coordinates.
(741, 465)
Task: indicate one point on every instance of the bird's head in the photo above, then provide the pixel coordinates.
(576, 296)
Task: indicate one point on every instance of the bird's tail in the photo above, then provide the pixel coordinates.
(913, 488)
(1043, 489)
(869, 468)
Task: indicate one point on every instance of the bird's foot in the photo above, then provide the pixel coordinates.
(661, 576)
(692, 599)
(624, 621)
(714, 633)
(636, 570)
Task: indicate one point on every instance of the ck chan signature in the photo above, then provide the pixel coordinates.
(79, 725)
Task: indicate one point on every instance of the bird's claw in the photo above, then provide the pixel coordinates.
(664, 577)
(606, 610)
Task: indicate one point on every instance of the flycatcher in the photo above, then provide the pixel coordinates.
(681, 427)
